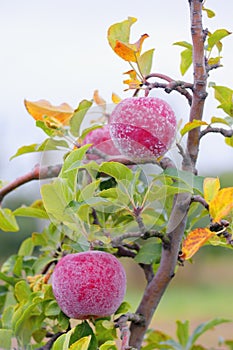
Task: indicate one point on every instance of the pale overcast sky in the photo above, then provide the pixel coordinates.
(58, 50)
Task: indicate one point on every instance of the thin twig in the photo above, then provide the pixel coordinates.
(209, 129)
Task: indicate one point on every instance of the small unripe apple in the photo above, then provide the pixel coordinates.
(101, 140)
(89, 284)
(143, 128)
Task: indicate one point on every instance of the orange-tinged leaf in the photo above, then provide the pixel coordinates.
(115, 98)
(130, 52)
(194, 241)
(98, 99)
(42, 108)
(211, 187)
(222, 204)
(126, 51)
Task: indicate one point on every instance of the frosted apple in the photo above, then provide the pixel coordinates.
(89, 284)
(101, 140)
(143, 128)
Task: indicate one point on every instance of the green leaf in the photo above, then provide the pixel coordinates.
(149, 253)
(25, 149)
(116, 170)
(81, 344)
(63, 341)
(182, 332)
(219, 120)
(192, 181)
(56, 197)
(5, 338)
(224, 95)
(204, 327)
(52, 309)
(78, 116)
(186, 60)
(8, 222)
(26, 247)
(52, 145)
(215, 37)
(120, 31)
(145, 62)
(31, 212)
(123, 308)
(184, 44)
(22, 291)
(49, 131)
(8, 279)
(192, 125)
(84, 330)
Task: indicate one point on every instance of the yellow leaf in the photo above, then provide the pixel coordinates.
(194, 241)
(221, 204)
(211, 187)
(81, 344)
(98, 99)
(133, 82)
(115, 98)
(192, 125)
(42, 108)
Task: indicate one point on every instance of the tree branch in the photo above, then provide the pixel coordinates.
(200, 78)
(36, 174)
(177, 85)
(224, 132)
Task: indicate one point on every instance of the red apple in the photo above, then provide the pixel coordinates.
(89, 284)
(101, 140)
(143, 128)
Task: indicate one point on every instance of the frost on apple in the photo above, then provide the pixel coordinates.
(89, 284)
(101, 140)
(143, 128)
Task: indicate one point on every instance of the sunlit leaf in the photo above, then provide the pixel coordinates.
(219, 120)
(81, 344)
(214, 60)
(224, 95)
(133, 81)
(26, 247)
(108, 345)
(215, 37)
(194, 241)
(211, 187)
(7, 220)
(222, 204)
(210, 13)
(145, 62)
(229, 141)
(78, 116)
(192, 125)
(186, 60)
(116, 170)
(126, 51)
(115, 98)
(39, 109)
(120, 31)
(184, 44)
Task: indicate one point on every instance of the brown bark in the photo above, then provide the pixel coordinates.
(177, 221)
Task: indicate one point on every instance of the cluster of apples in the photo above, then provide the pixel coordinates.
(93, 283)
